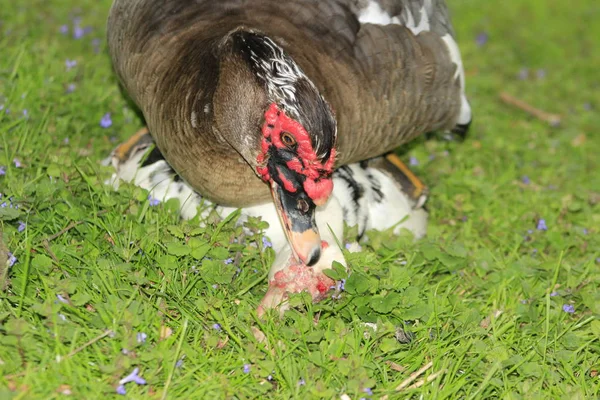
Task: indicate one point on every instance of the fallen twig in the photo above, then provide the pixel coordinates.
(414, 376)
(89, 343)
(59, 358)
(552, 119)
(67, 228)
(430, 378)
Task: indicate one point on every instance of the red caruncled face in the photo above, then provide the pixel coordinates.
(283, 132)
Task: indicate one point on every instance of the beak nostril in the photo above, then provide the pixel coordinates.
(302, 205)
(314, 257)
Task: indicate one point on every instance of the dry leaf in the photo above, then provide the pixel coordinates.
(164, 332)
(64, 389)
(395, 367)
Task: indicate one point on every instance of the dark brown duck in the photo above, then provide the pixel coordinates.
(238, 90)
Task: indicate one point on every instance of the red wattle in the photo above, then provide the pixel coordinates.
(318, 191)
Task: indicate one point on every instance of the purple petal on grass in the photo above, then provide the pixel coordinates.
(62, 317)
(523, 74)
(179, 363)
(216, 327)
(133, 377)
(540, 73)
(69, 64)
(71, 88)
(106, 121)
(554, 294)
(121, 390)
(228, 261)
(525, 179)
(12, 260)
(541, 225)
(78, 32)
(62, 299)
(64, 29)
(301, 382)
(247, 368)
(413, 161)
(368, 391)
(568, 308)
(153, 201)
(25, 113)
(266, 243)
(481, 39)
(17, 163)
(2, 170)
(141, 337)
(22, 226)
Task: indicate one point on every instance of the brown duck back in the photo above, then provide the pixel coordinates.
(385, 85)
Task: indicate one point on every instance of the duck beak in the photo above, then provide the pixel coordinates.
(298, 224)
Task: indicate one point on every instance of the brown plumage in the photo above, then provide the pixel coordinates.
(205, 108)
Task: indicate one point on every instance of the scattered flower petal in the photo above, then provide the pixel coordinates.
(62, 299)
(179, 363)
(247, 368)
(64, 29)
(11, 259)
(368, 391)
(153, 201)
(568, 308)
(228, 261)
(413, 161)
(554, 294)
(523, 74)
(266, 242)
(541, 73)
(141, 337)
(70, 64)
(2, 170)
(17, 163)
(482, 39)
(121, 390)
(106, 121)
(78, 32)
(541, 225)
(216, 327)
(526, 180)
(301, 382)
(22, 226)
(71, 88)
(133, 377)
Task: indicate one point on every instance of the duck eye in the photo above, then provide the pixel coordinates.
(288, 139)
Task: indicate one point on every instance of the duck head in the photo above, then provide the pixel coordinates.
(287, 133)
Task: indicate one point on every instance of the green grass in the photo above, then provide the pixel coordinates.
(475, 294)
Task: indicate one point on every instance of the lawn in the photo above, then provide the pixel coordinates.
(500, 300)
